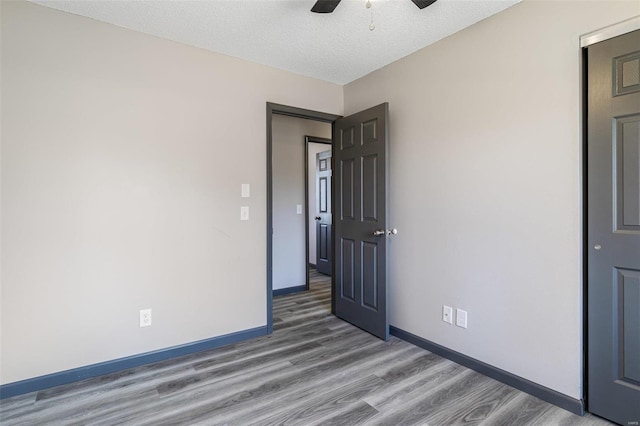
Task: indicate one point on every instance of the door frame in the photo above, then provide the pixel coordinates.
(279, 109)
(307, 140)
(587, 40)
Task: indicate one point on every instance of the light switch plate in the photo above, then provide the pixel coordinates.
(245, 190)
(244, 213)
(461, 318)
(299, 209)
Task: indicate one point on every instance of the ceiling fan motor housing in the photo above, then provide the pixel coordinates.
(328, 6)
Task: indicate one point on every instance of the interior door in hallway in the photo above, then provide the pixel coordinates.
(613, 173)
(323, 212)
(360, 219)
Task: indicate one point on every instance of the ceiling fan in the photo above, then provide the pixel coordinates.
(328, 6)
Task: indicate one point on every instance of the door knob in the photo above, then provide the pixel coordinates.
(381, 232)
(597, 247)
(318, 218)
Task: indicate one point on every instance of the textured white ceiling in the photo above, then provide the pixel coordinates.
(336, 47)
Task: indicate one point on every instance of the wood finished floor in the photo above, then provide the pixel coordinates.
(313, 370)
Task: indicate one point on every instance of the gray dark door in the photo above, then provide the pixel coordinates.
(613, 173)
(360, 219)
(323, 213)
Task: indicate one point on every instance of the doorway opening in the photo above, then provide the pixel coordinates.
(278, 207)
(356, 238)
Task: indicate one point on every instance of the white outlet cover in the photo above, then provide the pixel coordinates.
(461, 318)
(145, 317)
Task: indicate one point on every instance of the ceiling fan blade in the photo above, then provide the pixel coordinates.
(423, 3)
(325, 6)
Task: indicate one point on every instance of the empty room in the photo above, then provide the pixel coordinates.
(383, 212)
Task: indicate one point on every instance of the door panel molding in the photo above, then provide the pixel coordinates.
(626, 156)
(626, 333)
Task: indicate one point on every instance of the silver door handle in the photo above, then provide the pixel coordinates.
(381, 232)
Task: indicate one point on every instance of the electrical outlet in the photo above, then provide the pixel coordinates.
(447, 314)
(461, 318)
(145, 317)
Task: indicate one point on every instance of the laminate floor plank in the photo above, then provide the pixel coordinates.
(325, 403)
(355, 414)
(317, 291)
(406, 370)
(315, 369)
(300, 316)
(275, 346)
(308, 321)
(559, 417)
(396, 397)
(319, 378)
(178, 402)
(177, 366)
(61, 405)
(523, 409)
(323, 302)
(299, 311)
(316, 294)
(205, 403)
(293, 382)
(273, 341)
(17, 405)
(330, 351)
(232, 369)
(479, 407)
(442, 397)
(159, 411)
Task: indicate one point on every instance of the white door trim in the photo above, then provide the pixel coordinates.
(611, 31)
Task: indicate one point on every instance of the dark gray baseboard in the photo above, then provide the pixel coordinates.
(575, 406)
(288, 290)
(312, 265)
(94, 370)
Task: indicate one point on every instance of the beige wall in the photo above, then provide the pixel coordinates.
(122, 160)
(486, 183)
(288, 191)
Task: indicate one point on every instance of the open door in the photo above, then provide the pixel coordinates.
(323, 212)
(613, 288)
(360, 172)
